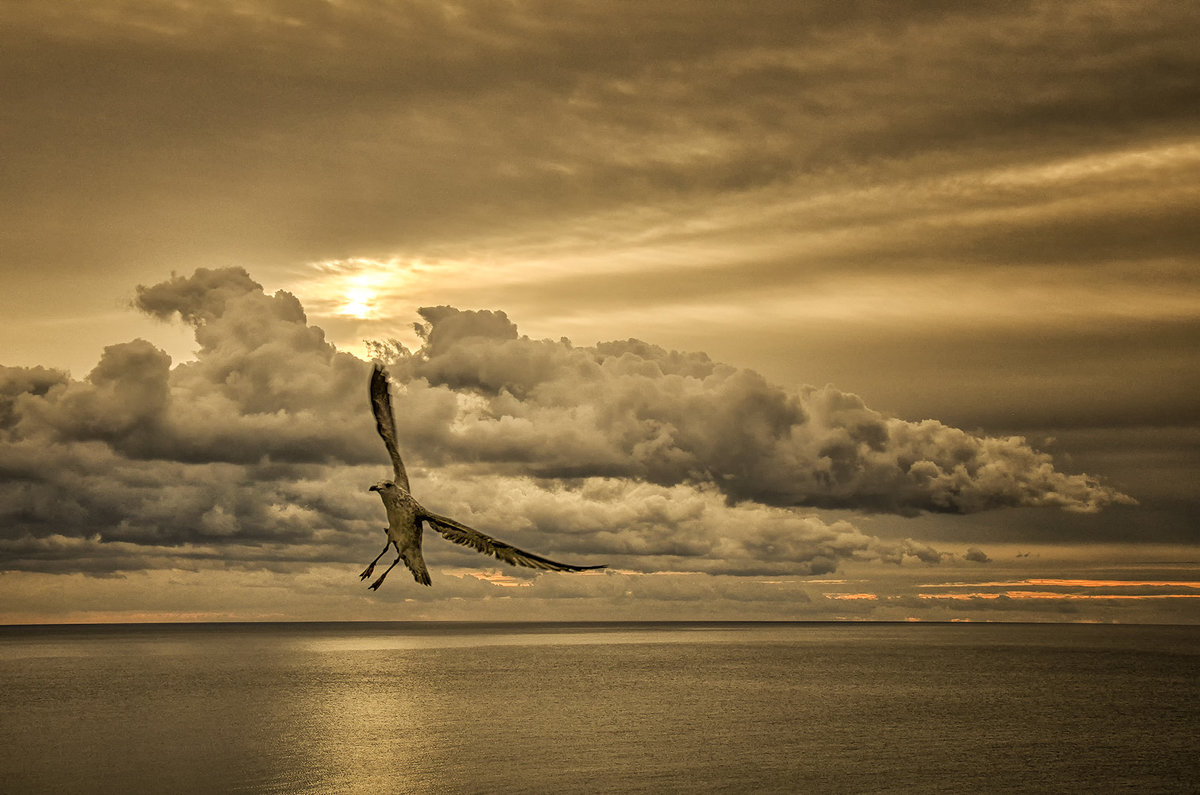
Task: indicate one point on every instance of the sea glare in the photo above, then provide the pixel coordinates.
(717, 707)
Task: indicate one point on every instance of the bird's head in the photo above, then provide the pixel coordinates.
(382, 486)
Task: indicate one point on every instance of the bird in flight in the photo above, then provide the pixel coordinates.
(405, 515)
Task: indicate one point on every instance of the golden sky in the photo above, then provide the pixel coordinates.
(982, 216)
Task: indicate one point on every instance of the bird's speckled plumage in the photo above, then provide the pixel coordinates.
(406, 515)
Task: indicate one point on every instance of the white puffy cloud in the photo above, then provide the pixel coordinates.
(257, 452)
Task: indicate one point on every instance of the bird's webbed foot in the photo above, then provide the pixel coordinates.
(367, 572)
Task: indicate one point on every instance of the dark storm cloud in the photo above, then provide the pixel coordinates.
(623, 449)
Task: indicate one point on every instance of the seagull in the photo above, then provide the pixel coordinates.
(405, 514)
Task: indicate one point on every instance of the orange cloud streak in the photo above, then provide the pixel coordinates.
(1054, 595)
(1068, 583)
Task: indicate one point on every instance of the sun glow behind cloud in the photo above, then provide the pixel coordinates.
(360, 298)
(359, 302)
(361, 284)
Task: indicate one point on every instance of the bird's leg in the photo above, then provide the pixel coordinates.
(367, 571)
(375, 585)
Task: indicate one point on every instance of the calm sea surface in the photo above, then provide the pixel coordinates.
(454, 707)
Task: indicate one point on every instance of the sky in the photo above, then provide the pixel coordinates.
(798, 311)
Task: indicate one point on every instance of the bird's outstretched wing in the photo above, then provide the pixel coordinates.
(385, 423)
(461, 534)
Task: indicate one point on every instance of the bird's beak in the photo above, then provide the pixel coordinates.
(373, 488)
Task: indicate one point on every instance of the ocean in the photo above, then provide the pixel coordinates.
(629, 707)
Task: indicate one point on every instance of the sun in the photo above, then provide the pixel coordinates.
(359, 302)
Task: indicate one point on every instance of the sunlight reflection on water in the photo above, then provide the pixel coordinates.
(450, 640)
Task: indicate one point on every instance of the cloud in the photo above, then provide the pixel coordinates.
(420, 102)
(977, 555)
(632, 409)
(256, 452)
(640, 526)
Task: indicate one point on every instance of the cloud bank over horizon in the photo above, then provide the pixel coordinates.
(256, 453)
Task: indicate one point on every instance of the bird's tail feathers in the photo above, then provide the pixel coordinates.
(416, 564)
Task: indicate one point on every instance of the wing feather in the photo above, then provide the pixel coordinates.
(480, 542)
(385, 423)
